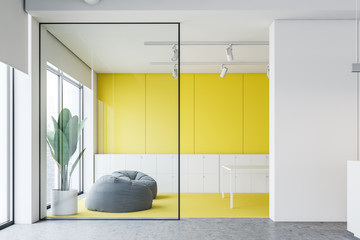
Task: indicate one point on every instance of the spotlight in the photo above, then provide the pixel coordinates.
(223, 71)
(175, 54)
(174, 72)
(92, 2)
(229, 54)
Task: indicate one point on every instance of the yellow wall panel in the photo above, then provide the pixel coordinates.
(187, 114)
(218, 113)
(105, 104)
(137, 113)
(123, 119)
(161, 114)
(256, 114)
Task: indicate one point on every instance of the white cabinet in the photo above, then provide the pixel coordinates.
(117, 162)
(203, 173)
(133, 162)
(148, 165)
(199, 173)
(167, 173)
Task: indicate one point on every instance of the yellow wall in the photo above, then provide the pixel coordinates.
(161, 114)
(122, 97)
(137, 113)
(218, 113)
(187, 114)
(256, 114)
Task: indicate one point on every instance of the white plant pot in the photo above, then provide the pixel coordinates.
(64, 203)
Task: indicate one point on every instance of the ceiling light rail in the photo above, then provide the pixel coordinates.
(260, 43)
(211, 63)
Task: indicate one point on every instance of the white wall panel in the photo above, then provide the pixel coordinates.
(312, 118)
(14, 34)
(60, 56)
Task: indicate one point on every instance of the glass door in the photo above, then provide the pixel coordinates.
(128, 113)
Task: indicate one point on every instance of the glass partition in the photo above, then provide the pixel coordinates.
(6, 163)
(122, 150)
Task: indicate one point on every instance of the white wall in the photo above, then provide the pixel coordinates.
(61, 57)
(35, 98)
(26, 134)
(14, 34)
(312, 118)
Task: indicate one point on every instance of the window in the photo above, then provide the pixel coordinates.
(63, 92)
(6, 159)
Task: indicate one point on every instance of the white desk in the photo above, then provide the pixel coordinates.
(230, 168)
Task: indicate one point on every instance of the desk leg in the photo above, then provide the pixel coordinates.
(231, 189)
(222, 182)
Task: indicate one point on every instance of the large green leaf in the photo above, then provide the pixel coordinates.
(64, 118)
(81, 126)
(76, 161)
(50, 137)
(53, 154)
(61, 148)
(55, 123)
(71, 133)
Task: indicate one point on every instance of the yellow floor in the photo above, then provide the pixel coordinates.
(193, 205)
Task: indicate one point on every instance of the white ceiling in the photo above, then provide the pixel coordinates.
(120, 48)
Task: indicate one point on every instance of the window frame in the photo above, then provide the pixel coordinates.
(62, 76)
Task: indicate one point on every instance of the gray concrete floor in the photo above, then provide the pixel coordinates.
(185, 229)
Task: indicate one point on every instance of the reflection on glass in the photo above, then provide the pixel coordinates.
(4, 150)
(62, 94)
(52, 110)
(71, 101)
(137, 122)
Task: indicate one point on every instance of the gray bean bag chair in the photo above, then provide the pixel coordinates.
(123, 191)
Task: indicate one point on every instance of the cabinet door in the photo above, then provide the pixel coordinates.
(259, 182)
(164, 163)
(211, 183)
(102, 164)
(242, 159)
(118, 162)
(165, 183)
(259, 159)
(211, 164)
(243, 182)
(196, 165)
(184, 183)
(133, 162)
(184, 163)
(148, 165)
(227, 159)
(196, 183)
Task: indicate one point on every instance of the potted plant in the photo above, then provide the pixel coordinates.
(62, 142)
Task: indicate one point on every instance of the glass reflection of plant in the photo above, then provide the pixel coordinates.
(63, 144)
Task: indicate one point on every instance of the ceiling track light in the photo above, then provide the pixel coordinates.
(268, 72)
(229, 54)
(92, 2)
(175, 54)
(223, 71)
(174, 72)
